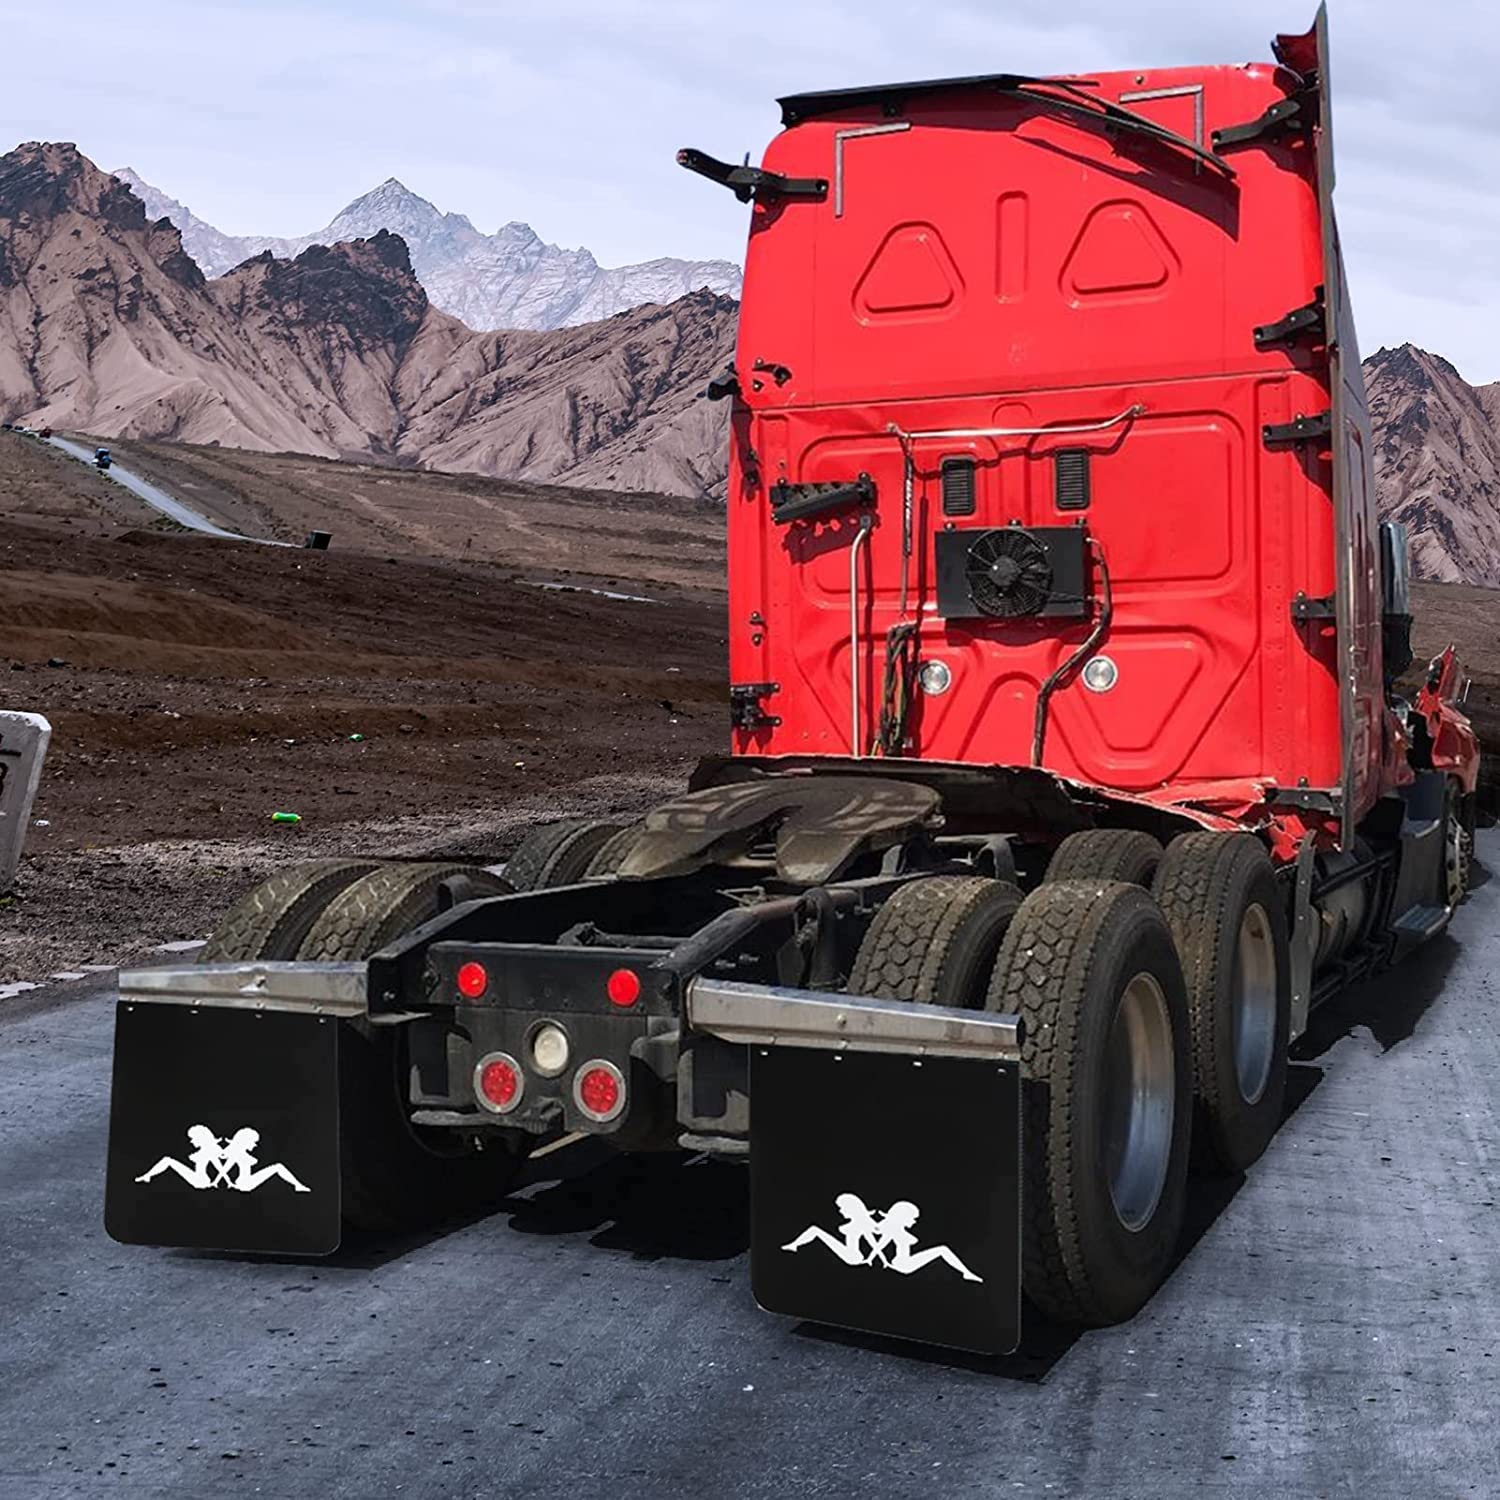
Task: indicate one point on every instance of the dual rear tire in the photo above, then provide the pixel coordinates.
(1152, 1017)
(1091, 970)
(394, 1175)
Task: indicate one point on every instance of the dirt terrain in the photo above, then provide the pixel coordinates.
(400, 705)
(551, 531)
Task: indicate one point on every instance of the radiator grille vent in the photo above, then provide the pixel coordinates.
(958, 487)
(1070, 472)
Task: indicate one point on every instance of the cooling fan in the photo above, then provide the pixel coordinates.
(1007, 574)
(1012, 573)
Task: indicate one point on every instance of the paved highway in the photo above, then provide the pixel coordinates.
(157, 498)
(1333, 1329)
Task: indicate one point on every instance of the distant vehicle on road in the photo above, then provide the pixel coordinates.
(46, 432)
(101, 457)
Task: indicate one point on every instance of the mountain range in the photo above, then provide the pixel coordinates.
(1437, 462)
(509, 279)
(108, 325)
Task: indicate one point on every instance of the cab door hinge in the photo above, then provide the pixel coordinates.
(1302, 320)
(1306, 609)
(1296, 112)
(1302, 430)
(745, 711)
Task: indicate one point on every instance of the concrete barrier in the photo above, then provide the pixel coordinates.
(23, 748)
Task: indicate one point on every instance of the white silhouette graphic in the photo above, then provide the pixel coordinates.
(867, 1238)
(223, 1163)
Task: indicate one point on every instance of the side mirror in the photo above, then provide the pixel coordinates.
(1395, 595)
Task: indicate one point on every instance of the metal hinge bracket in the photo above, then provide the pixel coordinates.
(725, 384)
(1301, 320)
(1302, 430)
(1305, 608)
(1286, 115)
(745, 711)
(749, 182)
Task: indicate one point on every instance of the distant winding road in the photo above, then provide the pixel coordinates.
(156, 498)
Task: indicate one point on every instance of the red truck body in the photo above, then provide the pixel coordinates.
(984, 260)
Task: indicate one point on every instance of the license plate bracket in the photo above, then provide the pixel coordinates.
(898, 1180)
(224, 1130)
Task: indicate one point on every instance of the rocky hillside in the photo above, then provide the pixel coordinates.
(509, 279)
(109, 326)
(1437, 462)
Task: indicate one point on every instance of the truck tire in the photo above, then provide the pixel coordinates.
(612, 853)
(393, 1174)
(1106, 1095)
(1106, 854)
(1228, 918)
(382, 905)
(271, 920)
(557, 853)
(934, 941)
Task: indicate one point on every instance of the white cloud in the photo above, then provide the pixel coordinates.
(268, 117)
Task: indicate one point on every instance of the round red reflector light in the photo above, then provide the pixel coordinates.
(498, 1083)
(600, 1091)
(473, 981)
(623, 987)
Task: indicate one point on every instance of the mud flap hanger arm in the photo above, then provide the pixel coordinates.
(747, 182)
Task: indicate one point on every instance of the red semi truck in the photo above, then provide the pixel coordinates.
(1068, 770)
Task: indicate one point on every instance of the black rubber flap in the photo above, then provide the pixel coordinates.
(224, 1130)
(868, 1214)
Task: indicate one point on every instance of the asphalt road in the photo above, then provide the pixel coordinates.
(159, 499)
(1333, 1329)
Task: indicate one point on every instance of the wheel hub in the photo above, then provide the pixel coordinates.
(1254, 1004)
(1139, 1101)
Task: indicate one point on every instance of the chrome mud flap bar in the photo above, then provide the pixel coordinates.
(885, 1161)
(224, 1107)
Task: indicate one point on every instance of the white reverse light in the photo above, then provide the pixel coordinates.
(1101, 674)
(934, 678)
(549, 1049)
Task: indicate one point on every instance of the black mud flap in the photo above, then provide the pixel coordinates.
(886, 1193)
(224, 1130)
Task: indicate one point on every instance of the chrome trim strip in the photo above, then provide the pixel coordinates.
(839, 138)
(856, 726)
(325, 989)
(1188, 90)
(772, 1015)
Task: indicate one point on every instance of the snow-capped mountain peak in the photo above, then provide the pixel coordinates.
(510, 279)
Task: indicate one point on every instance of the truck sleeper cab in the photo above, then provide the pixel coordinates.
(1066, 768)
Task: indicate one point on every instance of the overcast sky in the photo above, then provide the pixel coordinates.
(269, 117)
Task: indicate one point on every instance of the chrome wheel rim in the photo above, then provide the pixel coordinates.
(1254, 1004)
(1139, 1102)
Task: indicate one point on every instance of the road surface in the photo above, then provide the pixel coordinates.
(1333, 1330)
(159, 499)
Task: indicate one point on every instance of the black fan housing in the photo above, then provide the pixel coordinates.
(1012, 573)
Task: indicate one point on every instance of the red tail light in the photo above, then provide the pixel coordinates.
(498, 1082)
(599, 1090)
(623, 987)
(473, 980)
